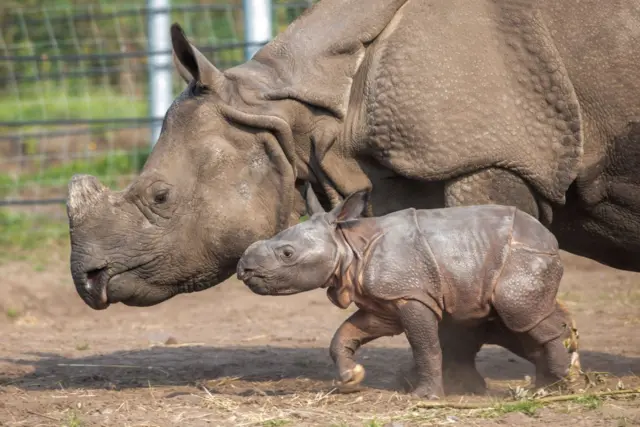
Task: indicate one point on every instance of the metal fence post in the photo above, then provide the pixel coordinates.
(257, 25)
(160, 91)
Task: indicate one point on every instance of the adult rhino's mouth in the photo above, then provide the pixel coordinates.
(107, 285)
(104, 287)
(95, 288)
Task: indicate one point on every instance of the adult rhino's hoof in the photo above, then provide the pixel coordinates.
(475, 387)
(428, 393)
(464, 380)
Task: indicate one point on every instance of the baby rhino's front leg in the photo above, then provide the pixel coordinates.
(420, 324)
(360, 328)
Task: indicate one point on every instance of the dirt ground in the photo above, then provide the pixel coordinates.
(227, 357)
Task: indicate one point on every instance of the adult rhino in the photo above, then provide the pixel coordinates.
(429, 103)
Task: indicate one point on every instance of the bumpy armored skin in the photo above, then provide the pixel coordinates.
(462, 261)
(427, 104)
(450, 279)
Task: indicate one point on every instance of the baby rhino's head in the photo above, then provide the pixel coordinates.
(302, 257)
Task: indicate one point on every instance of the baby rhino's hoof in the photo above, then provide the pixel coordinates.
(352, 377)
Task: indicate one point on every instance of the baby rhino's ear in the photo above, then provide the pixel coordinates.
(351, 208)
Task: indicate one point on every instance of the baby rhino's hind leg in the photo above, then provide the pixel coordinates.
(525, 300)
(460, 344)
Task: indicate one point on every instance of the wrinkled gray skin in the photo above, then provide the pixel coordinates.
(429, 104)
(450, 279)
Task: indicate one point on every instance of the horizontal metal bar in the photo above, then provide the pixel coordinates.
(101, 16)
(69, 132)
(71, 74)
(93, 72)
(75, 122)
(119, 55)
(18, 202)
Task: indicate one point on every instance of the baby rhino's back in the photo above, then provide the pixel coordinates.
(449, 258)
(469, 246)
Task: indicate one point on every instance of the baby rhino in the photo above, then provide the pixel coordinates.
(451, 279)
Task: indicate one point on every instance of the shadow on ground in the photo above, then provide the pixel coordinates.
(187, 366)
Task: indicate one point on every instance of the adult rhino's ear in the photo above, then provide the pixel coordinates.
(311, 200)
(191, 63)
(352, 207)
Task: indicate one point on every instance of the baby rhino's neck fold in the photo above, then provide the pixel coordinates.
(355, 240)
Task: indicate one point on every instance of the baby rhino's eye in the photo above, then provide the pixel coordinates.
(286, 251)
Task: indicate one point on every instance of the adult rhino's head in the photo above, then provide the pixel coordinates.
(219, 178)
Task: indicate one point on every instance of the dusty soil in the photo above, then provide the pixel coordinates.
(238, 359)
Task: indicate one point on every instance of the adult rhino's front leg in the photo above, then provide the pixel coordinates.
(360, 328)
(496, 186)
(460, 344)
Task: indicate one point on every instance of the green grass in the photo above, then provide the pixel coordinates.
(23, 232)
(73, 420)
(20, 232)
(82, 347)
(106, 168)
(526, 407)
(51, 104)
(12, 313)
(589, 401)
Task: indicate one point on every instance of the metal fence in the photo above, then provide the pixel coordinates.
(74, 87)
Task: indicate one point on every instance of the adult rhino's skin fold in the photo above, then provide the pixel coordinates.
(445, 103)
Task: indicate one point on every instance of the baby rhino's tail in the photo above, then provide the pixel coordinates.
(530, 233)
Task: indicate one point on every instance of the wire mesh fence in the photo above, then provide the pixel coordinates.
(74, 86)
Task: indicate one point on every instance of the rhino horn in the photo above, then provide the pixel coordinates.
(83, 192)
(191, 63)
(311, 200)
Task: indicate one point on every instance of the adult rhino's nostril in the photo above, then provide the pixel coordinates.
(94, 275)
(95, 287)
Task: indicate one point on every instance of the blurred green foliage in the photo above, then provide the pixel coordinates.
(106, 168)
(51, 28)
(96, 86)
(20, 232)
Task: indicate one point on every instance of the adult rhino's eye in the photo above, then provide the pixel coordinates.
(288, 253)
(161, 196)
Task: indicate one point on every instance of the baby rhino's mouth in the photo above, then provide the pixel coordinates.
(260, 286)
(261, 282)
(257, 285)
(251, 278)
